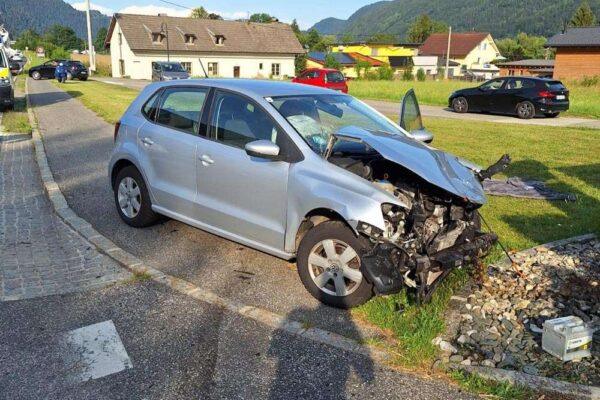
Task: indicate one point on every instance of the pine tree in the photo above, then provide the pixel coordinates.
(583, 16)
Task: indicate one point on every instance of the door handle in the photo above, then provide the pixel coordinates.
(206, 160)
(147, 141)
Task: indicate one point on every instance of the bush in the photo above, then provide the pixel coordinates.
(371, 75)
(385, 73)
(421, 75)
(60, 53)
(407, 75)
(588, 81)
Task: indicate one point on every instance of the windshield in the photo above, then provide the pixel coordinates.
(172, 67)
(335, 77)
(317, 117)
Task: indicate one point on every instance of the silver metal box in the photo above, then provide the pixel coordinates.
(567, 338)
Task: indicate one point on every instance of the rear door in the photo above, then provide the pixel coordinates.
(238, 194)
(168, 143)
(514, 91)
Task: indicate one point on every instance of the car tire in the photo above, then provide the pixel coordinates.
(552, 114)
(69, 76)
(333, 280)
(525, 110)
(36, 75)
(460, 105)
(132, 199)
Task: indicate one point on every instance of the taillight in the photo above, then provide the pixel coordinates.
(546, 94)
(117, 127)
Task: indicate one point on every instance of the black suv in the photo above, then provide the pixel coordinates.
(525, 97)
(75, 70)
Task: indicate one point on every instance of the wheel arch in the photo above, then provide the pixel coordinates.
(315, 217)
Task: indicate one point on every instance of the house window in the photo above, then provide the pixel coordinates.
(260, 66)
(213, 69)
(219, 40)
(187, 66)
(484, 46)
(157, 37)
(275, 69)
(190, 39)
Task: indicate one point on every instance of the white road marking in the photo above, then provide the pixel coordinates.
(95, 351)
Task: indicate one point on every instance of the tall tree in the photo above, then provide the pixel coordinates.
(332, 62)
(99, 40)
(522, 46)
(28, 39)
(423, 26)
(382, 38)
(583, 16)
(63, 36)
(199, 13)
(296, 27)
(262, 17)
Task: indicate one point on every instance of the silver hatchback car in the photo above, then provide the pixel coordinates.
(300, 172)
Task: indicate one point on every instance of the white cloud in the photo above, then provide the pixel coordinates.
(155, 10)
(82, 7)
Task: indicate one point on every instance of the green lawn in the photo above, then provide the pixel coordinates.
(566, 158)
(585, 101)
(16, 120)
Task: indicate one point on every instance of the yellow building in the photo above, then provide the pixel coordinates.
(378, 51)
(347, 61)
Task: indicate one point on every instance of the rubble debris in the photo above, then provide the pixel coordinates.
(527, 189)
(508, 312)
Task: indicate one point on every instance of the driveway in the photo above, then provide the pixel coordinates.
(221, 355)
(393, 109)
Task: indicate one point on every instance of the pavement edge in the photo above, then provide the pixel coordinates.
(137, 266)
(269, 318)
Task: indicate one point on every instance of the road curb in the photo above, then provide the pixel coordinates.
(137, 266)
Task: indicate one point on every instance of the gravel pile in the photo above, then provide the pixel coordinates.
(501, 320)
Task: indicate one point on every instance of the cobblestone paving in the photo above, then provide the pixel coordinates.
(39, 254)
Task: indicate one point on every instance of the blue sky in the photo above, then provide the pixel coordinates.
(307, 12)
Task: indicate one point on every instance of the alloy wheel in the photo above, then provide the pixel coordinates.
(129, 197)
(334, 267)
(460, 104)
(525, 110)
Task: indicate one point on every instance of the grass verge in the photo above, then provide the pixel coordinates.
(499, 390)
(16, 120)
(585, 100)
(108, 101)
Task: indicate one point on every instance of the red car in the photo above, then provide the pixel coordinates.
(325, 77)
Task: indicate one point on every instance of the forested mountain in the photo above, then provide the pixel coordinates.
(500, 17)
(19, 15)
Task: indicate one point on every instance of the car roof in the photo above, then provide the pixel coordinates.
(253, 87)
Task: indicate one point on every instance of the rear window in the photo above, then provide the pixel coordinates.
(335, 77)
(555, 85)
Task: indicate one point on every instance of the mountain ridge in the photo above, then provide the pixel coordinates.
(502, 18)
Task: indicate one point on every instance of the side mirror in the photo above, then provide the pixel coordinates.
(422, 135)
(263, 149)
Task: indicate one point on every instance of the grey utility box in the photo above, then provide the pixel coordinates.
(567, 338)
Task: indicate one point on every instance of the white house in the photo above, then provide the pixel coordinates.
(434, 65)
(215, 47)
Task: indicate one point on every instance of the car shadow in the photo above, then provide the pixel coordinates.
(324, 376)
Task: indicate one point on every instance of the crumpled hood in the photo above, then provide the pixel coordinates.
(439, 168)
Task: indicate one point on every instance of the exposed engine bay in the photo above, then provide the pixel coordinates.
(435, 232)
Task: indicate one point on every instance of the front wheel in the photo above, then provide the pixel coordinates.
(69, 76)
(329, 263)
(132, 199)
(36, 75)
(460, 105)
(525, 110)
(552, 114)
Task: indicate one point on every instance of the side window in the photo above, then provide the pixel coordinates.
(181, 108)
(237, 121)
(151, 106)
(493, 85)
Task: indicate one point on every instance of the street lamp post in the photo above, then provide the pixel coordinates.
(91, 52)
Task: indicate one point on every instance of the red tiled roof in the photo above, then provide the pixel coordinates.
(461, 44)
(374, 62)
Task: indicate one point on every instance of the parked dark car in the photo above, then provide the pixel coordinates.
(75, 70)
(168, 71)
(525, 97)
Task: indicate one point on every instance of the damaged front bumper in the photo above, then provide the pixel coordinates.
(390, 269)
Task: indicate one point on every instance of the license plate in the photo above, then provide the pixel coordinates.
(560, 97)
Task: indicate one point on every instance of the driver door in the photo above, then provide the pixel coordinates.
(411, 120)
(241, 195)
(487, 97)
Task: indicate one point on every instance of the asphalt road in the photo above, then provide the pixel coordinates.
(242, 358)
(393, 109)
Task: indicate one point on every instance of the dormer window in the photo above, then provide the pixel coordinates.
(157, 37)
(189, 39)
(219, 40)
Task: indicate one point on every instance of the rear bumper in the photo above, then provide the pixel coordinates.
(555, 106)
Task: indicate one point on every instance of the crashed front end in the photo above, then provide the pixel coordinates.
(434, 225)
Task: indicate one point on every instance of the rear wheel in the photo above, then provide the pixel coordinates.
(132, 199)
(329, 261)
(525, 110)
(552, 114)
(460, 105)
